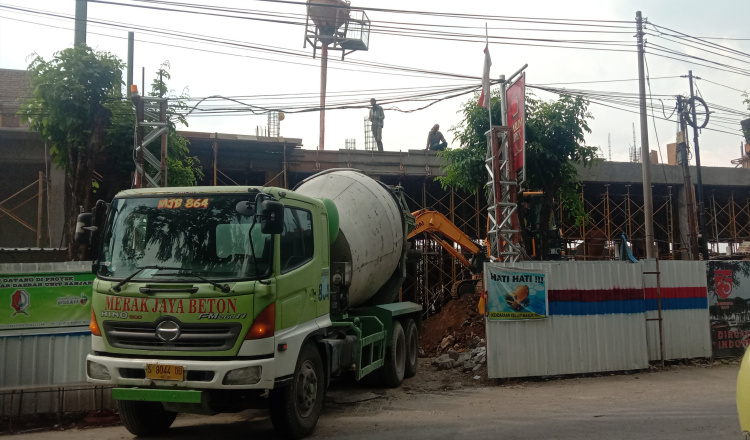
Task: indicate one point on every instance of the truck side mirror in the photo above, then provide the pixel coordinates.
(245, 208)
(83, 228)
(272, 217)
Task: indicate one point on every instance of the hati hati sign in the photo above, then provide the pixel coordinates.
(514, 293)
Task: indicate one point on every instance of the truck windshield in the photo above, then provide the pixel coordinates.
(203, 234)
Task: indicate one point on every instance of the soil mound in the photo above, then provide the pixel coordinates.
(458, 320)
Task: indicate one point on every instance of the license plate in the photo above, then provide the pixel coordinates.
(165, 372)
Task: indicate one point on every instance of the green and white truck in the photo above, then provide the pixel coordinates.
(219, 299)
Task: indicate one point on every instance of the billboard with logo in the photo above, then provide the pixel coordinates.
(728, 305)
(45, 300)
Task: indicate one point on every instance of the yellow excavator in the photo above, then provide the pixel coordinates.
(438, 228)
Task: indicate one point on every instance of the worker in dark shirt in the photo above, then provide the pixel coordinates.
(435, 139)
(376, 118)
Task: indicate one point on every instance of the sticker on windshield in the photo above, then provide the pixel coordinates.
(186, 203)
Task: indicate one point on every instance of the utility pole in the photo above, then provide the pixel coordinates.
(648, 203)
(80, 26)
(682, 160)
(323, 82)
(131, 48)
(701, 215)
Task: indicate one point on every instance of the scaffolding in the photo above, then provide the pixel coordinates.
(12, 206)
(616, 209)
(728, 221)
(152, 125)
(370, 144)
(431, 270)
(274, 124)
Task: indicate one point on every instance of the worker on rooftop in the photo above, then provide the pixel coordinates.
(435, 139)
(376, 118)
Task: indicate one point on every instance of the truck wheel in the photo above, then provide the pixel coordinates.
(395, 359)
(412, 349)
(295, 408)
(145, 418)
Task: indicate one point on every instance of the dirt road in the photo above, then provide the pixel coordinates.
(680, 403)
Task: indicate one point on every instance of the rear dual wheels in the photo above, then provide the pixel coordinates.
(394, 368)
(412, 349)
(402, 356)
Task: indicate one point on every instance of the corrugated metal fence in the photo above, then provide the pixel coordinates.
(684, 305)
(598, 320)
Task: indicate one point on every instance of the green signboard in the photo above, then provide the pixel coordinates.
(44, 300)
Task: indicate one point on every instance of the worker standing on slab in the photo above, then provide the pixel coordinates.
(376, 119)
(435, 139)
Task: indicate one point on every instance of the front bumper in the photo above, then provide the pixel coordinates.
(199, 374)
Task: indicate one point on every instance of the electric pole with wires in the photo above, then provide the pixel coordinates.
(691, 117)
(648, 203)
(683, 159)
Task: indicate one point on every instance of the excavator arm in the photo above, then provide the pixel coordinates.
(444, 232)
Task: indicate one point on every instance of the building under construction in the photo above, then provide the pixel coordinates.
(611, 192)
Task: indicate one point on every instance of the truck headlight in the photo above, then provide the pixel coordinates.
(97, 371)
(243, 376)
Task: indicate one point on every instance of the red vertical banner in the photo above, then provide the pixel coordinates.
(515, 97)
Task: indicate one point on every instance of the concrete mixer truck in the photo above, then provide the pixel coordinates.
(219, 299)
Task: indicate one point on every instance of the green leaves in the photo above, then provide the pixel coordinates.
(182, 169)
(464, 166)
(68, 96)
(555, 142)
(555, 136)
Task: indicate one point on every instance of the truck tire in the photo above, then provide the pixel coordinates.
(412, 348)
(145, 418)
(295, 408)
(394, 367)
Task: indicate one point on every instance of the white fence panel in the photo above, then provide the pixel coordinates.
(686, 328)
(596, 323)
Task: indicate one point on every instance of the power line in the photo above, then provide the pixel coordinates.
(402, 32)
(559, 21)
(725, 86)
(604, 81)
(653, 117)
(247, 46)
(683, 35)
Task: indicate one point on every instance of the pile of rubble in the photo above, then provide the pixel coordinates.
(456, 326)
(469, 361)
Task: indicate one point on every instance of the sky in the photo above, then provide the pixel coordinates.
(270, 79)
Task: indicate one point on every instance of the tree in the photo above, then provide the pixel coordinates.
(555, 143)
(71, 108)
(117, 166)
(464, 166)
(78, 108)
(182, 169)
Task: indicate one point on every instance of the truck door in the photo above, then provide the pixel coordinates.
(323, 245)
(299, 272)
